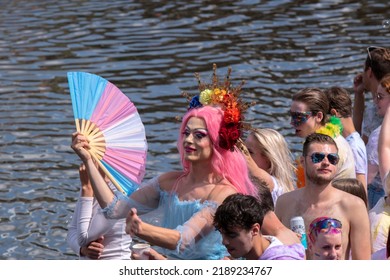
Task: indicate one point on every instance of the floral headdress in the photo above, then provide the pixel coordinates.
(222, 94)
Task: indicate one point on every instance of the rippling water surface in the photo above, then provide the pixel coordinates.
(150, 50)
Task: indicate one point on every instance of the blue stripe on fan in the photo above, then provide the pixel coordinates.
(85, 90)
(128, 186)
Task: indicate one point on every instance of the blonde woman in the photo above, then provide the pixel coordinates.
(270, 160)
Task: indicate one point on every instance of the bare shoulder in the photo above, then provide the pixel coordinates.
(286, 202)
(168, 179)
(289, 197)
(350, 202)
(221, 191)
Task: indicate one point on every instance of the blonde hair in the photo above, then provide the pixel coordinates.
(274, 147)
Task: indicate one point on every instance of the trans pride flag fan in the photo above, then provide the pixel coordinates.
(113, 127)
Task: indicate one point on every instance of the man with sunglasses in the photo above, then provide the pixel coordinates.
(376, 66)
(309, 113)
(318, 198)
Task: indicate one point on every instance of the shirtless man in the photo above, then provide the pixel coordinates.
(318, 198)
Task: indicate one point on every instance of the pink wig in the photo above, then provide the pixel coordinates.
(229, 164)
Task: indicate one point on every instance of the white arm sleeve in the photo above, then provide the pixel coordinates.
(195, 229)
(91, 223)
(71, 237)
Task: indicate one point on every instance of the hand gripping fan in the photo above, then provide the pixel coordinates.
(111, 123)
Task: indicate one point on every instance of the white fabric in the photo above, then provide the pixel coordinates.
(379, 255)
(88, 224)
(372, 147)
(359, 151)
(379, 217)
(277, 190)
(373, 159)
(346, 165)
(371, 119)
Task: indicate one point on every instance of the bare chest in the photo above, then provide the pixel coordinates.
(309, 212)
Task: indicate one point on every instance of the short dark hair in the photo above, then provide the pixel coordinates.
(379, 62)
(316, 101)
(339, 100)
(317, 138)
(240, 211)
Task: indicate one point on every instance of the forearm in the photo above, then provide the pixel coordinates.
(359, 235)
(362, 251)
(271, 224)
(163, 237)
(101, 190)
(384, 145)
(363, 179)
(358, 111)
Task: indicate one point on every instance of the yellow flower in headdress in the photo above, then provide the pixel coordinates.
(206, 97)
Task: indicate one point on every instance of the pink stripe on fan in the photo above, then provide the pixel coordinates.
(128, 162)
(113, 106)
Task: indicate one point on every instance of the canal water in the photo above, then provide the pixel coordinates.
(151, 50)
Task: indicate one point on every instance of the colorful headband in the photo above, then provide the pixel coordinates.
(228, 98)
(325, 225)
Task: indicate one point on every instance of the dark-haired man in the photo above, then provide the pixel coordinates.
(239, 219)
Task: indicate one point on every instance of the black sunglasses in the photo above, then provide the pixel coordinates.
(333, 158)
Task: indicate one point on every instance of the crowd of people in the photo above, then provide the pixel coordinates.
(234, 198)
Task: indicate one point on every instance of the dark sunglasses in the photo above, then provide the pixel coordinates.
(326, 223)
(298, 118)
(333, 158)
(372, 48)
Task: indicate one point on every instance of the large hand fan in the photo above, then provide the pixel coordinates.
(113, 127)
